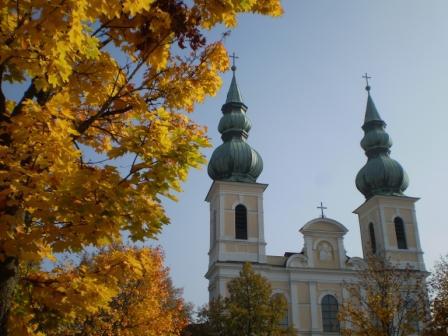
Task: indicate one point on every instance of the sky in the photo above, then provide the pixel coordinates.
(301, 77)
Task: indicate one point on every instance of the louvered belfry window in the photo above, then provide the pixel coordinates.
(400, 233)
(372, 238)
(240, 222)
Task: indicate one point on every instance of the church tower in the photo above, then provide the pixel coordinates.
(387, 219)
(235, 198)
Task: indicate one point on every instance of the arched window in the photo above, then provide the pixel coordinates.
(372, 238)
(240, 222)
(330, 314)
(400, 233)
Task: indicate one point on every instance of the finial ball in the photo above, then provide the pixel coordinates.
(233, 68)
(368, 88)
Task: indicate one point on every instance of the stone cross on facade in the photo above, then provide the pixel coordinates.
(322, 208)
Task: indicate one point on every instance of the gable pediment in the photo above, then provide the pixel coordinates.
(322, 226)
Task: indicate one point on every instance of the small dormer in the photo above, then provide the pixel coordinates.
(324, 243)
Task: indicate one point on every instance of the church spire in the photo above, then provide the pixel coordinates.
(235, 160)
(371, 111)
(234, 95)
(381, 175)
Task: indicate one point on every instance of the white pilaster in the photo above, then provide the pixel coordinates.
(294, 304)
(314, 308)
(341, 252)
(262, 246)
(345, 298)
(309, 251)
(383, 228)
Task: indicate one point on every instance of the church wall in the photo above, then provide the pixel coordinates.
(330, 288)
(226, 290)
(229, 224)
(319, 316)
(230, 200)
(302, 287)
(250, 202)
(235, 187)
(252, 225)
(324, 227)
(382, 211)
(303, 293)
(391, 234)
(304, 317)
(409, 231)
(410, 235)
(363, 223)
(275, 260)
(212, 290)
(406, 215)
(403, 256)
(389, 225)
(240, 247)
(389, 213)
(321, 260)
(303, 304)
(284, 286)
(372, 215)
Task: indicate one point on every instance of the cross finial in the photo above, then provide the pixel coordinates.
(233, 57)
(321, 207)
(367, 77)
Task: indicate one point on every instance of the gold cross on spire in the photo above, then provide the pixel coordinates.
(367, 77)
(233, 57)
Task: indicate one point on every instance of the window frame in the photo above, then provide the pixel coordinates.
(400, 233)
(372, 238)
(241, 222)
(330, 310)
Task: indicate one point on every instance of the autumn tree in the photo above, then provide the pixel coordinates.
(250, 309)
(384, 301)
(144, 302)
(109, 77)
(438, 284)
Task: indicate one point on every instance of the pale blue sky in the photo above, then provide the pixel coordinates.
(300, 76)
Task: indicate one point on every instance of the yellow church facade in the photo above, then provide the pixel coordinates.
(312, 280)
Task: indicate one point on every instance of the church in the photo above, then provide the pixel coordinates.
(310, 280)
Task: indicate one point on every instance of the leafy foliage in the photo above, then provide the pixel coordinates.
(249, 310)
(119, 291)
(384, 301)
(438, 283)
(110, 77)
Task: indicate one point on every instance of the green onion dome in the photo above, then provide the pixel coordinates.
(381, 175)
(235, 160)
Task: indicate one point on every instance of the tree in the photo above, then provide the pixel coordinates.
(145, 303)
(111, 78)
(251, 309)
(384, 301)
(438, 284)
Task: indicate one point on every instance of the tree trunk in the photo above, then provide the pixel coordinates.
(8, 281)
